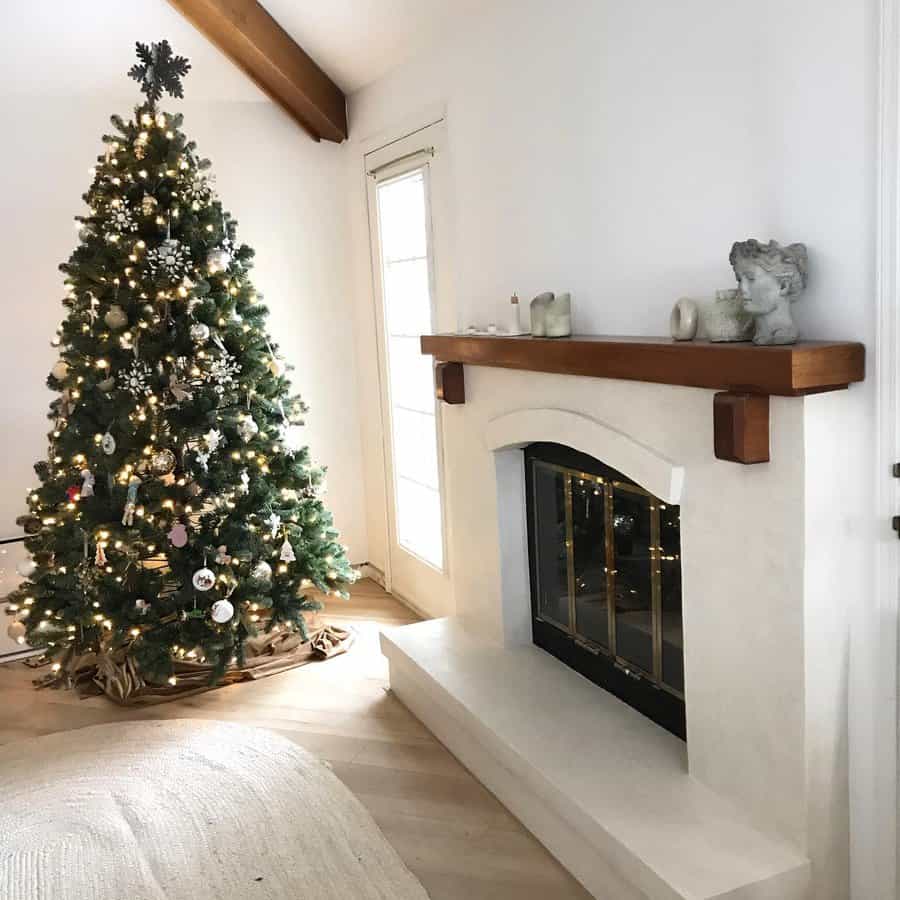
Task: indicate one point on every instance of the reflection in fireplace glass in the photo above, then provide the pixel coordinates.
(606, 579)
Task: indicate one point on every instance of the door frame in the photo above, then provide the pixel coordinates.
(370, 316)
(874, 652)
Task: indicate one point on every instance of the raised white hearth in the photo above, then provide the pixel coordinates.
(754, 806)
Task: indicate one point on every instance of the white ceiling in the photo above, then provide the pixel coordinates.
(358, 41)
(69, 47)
(77, 47)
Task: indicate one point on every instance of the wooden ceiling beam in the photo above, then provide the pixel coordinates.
(255, 42)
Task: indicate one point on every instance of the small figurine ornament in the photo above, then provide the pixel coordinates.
(100, 555)
(247, 429)
(274, 522)
(131, 501)
(244, 487)
(87, 483)
(214, 439)
(108, 444)
(770, 278)
(222, 557)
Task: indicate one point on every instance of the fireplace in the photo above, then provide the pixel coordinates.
(605, 566)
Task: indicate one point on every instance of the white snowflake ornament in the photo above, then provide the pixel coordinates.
(222, 371)
(136, 379)
(200, 190)
(120, 219)
(169, 258)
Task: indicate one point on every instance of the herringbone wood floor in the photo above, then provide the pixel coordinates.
(451, 832)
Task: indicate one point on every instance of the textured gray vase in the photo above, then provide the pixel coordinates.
(725, 318)
(551, 316)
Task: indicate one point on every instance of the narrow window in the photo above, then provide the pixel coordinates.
(407, 271)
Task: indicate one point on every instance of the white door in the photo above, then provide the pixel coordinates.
(405, 195)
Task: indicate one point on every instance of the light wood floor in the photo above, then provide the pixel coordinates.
(451, 832)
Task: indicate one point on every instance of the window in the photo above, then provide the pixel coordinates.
(407, 287)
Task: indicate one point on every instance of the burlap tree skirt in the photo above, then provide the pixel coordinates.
(116, 675)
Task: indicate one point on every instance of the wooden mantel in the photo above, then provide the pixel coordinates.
(745, 374)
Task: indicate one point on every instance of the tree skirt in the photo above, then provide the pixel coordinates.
(186, 809)
(117, 676)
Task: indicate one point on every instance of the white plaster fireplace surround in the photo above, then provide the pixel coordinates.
(755, 805)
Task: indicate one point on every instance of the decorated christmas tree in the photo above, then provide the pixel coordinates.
(178, 511)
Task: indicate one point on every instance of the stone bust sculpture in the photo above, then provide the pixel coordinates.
(770, 278)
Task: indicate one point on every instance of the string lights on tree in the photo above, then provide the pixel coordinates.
(173, 444)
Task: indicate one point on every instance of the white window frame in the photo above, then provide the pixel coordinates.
(387, 160)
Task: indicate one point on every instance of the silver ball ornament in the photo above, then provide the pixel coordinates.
(116, 317)
(262, 571)
(16, 631)
(60, 370)
(199, 332)
(222, 611)
(203, 579)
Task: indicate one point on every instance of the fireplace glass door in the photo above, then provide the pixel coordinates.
(606, 579)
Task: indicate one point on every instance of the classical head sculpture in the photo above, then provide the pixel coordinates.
(770, 278)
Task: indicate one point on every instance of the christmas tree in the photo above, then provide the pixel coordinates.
(178, 510)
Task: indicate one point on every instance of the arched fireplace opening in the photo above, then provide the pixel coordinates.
(605, 567)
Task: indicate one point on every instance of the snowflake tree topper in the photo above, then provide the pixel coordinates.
(159, 71)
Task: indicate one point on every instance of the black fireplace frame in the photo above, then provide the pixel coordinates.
(593, 661)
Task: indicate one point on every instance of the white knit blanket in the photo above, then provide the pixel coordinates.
(185, 808)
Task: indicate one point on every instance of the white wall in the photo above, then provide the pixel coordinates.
(62, 73)
(617, 150)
